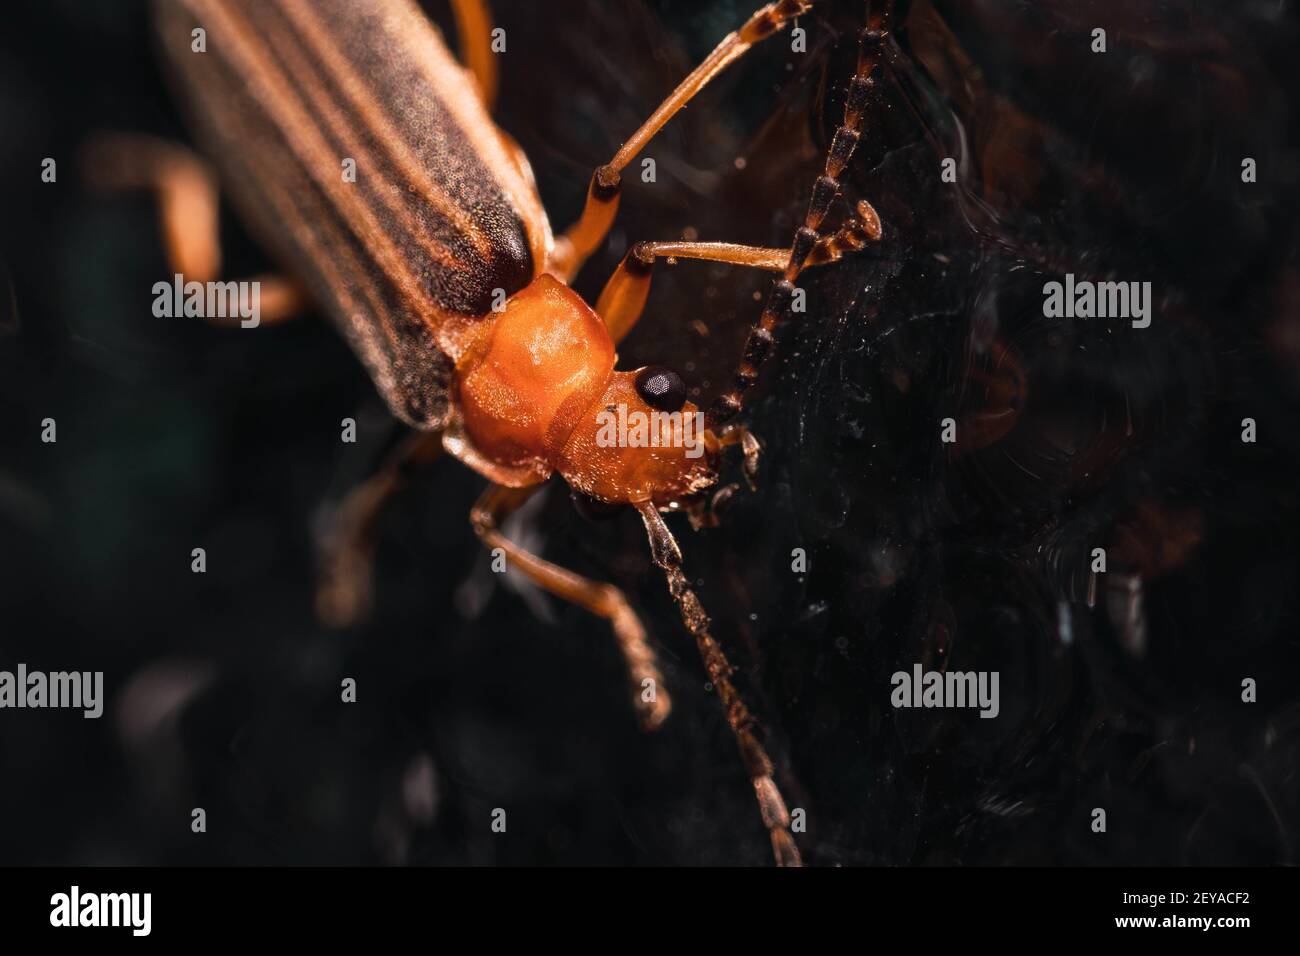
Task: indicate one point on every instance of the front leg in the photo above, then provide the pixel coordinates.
(604, 600)
(623, 299)
(585, 236)
(736, 434)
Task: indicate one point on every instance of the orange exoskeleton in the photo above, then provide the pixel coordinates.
(436, 261)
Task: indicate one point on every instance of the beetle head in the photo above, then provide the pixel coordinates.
(642, 441)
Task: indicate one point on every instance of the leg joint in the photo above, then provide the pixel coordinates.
(483, 520)
(640, 259)
(606, 183)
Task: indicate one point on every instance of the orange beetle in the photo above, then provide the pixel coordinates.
(364, 157)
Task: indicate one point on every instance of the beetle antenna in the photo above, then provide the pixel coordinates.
(808, 238)
(668, 556)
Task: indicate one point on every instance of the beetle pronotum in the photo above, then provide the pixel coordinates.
(437, 262)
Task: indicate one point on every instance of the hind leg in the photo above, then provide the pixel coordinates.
(346, 545)
(186, 192)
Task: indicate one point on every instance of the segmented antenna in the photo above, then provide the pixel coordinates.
(807, 238)
(666, 554)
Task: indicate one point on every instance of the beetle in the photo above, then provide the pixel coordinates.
(437, 262)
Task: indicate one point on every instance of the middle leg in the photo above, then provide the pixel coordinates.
(474, 31)
(346, 543)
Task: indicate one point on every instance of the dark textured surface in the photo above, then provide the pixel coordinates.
(173, 435)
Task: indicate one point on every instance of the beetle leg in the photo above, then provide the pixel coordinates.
(856, 232)
(474, 30)
(347, 546)
(582, 238)
(603, 600)
(735, 434)
(186, 192)
(623, 299)
(707, 512)
(666, 554)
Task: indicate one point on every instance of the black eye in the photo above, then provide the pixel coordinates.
(661, 388)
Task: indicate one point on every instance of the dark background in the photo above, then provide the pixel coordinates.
(223, 690)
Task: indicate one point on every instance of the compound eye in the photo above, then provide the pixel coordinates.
(661, 388)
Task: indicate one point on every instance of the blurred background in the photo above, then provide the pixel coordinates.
(1120, 691)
